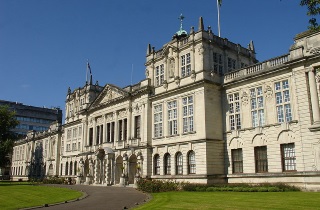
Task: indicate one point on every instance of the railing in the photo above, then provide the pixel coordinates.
(256, 68)
(278, 61)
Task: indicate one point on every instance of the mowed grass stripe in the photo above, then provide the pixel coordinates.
(233, 200)
(15, 196)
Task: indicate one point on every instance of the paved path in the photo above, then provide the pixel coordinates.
(102, 197)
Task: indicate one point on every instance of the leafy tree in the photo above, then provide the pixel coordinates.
(7, 137)
(313, 10)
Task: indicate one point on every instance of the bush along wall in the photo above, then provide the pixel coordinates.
(153, 186)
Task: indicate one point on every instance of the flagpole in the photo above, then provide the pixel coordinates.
(87, 72)
(218, 7)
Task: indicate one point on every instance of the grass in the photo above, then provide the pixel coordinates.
(233, 200)
(16, 195)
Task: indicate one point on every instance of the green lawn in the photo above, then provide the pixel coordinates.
(233, 200)
(16, 195)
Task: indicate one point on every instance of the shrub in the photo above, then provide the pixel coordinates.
(53, 180)
(192, 187)
(164, 186)
(152, 186)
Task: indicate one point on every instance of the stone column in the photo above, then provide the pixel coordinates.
(107, 170)
(129, 123)
(104, 130)
(94, 135)
(314, 97)
(96, 171)
(115, 127)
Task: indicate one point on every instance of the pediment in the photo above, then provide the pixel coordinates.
(169, 49)
(109, 93)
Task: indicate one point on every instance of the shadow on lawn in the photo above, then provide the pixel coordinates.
(10, 183)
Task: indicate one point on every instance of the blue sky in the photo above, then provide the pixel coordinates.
(45, 44)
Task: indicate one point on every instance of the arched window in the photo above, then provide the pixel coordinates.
(156, 163)
(167, 164)
(66, 172)
(192, 162)
(71, 168)
(179, 164)
(75, 168)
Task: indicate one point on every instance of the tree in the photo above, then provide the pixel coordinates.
(7, 137)
(313, 10)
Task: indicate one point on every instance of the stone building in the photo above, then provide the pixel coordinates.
(207, 112)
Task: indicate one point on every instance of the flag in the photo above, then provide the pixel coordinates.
(88, 66)
(220, 2)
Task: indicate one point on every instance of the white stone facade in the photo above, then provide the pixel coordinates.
(207, 112)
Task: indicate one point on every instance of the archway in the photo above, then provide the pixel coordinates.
(50, 171)
(86, 168)
(118, 169)
(132, 168)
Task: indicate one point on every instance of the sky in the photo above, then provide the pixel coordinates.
(45, 44)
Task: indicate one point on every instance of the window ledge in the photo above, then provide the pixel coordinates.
(315, 127)
(265, 126)
(191, 132)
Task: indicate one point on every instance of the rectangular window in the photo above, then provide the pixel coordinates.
(157, 121)
(261, 159)
(69, 134)
(137, 121)
(172, 118)
(125, 129)
(282, 96)
(187, 118)
(90, 136)
(217, 63)
(234, 111)
(74, 146)
(231, 64)
(237, 161)
(112, 131)
(108, 132)
(159, 75)
(80, 131)
(120, 130)
(75, 131)
(288, 157)
(185, 65)
(97, 135)
(257, 107)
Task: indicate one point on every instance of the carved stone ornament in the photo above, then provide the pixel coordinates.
(99, 120)
(193, 75)
(90, 121)
(315, 50)
(317, 71)
(122, 113)
(147, 73)
(201, 50)
(171, 67)
(137, 108)
(245, 98)
(109, 95)
(177, 80)
(165, 84)
(109, 117)
(268, 91)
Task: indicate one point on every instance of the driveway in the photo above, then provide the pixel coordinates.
(102, 197)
